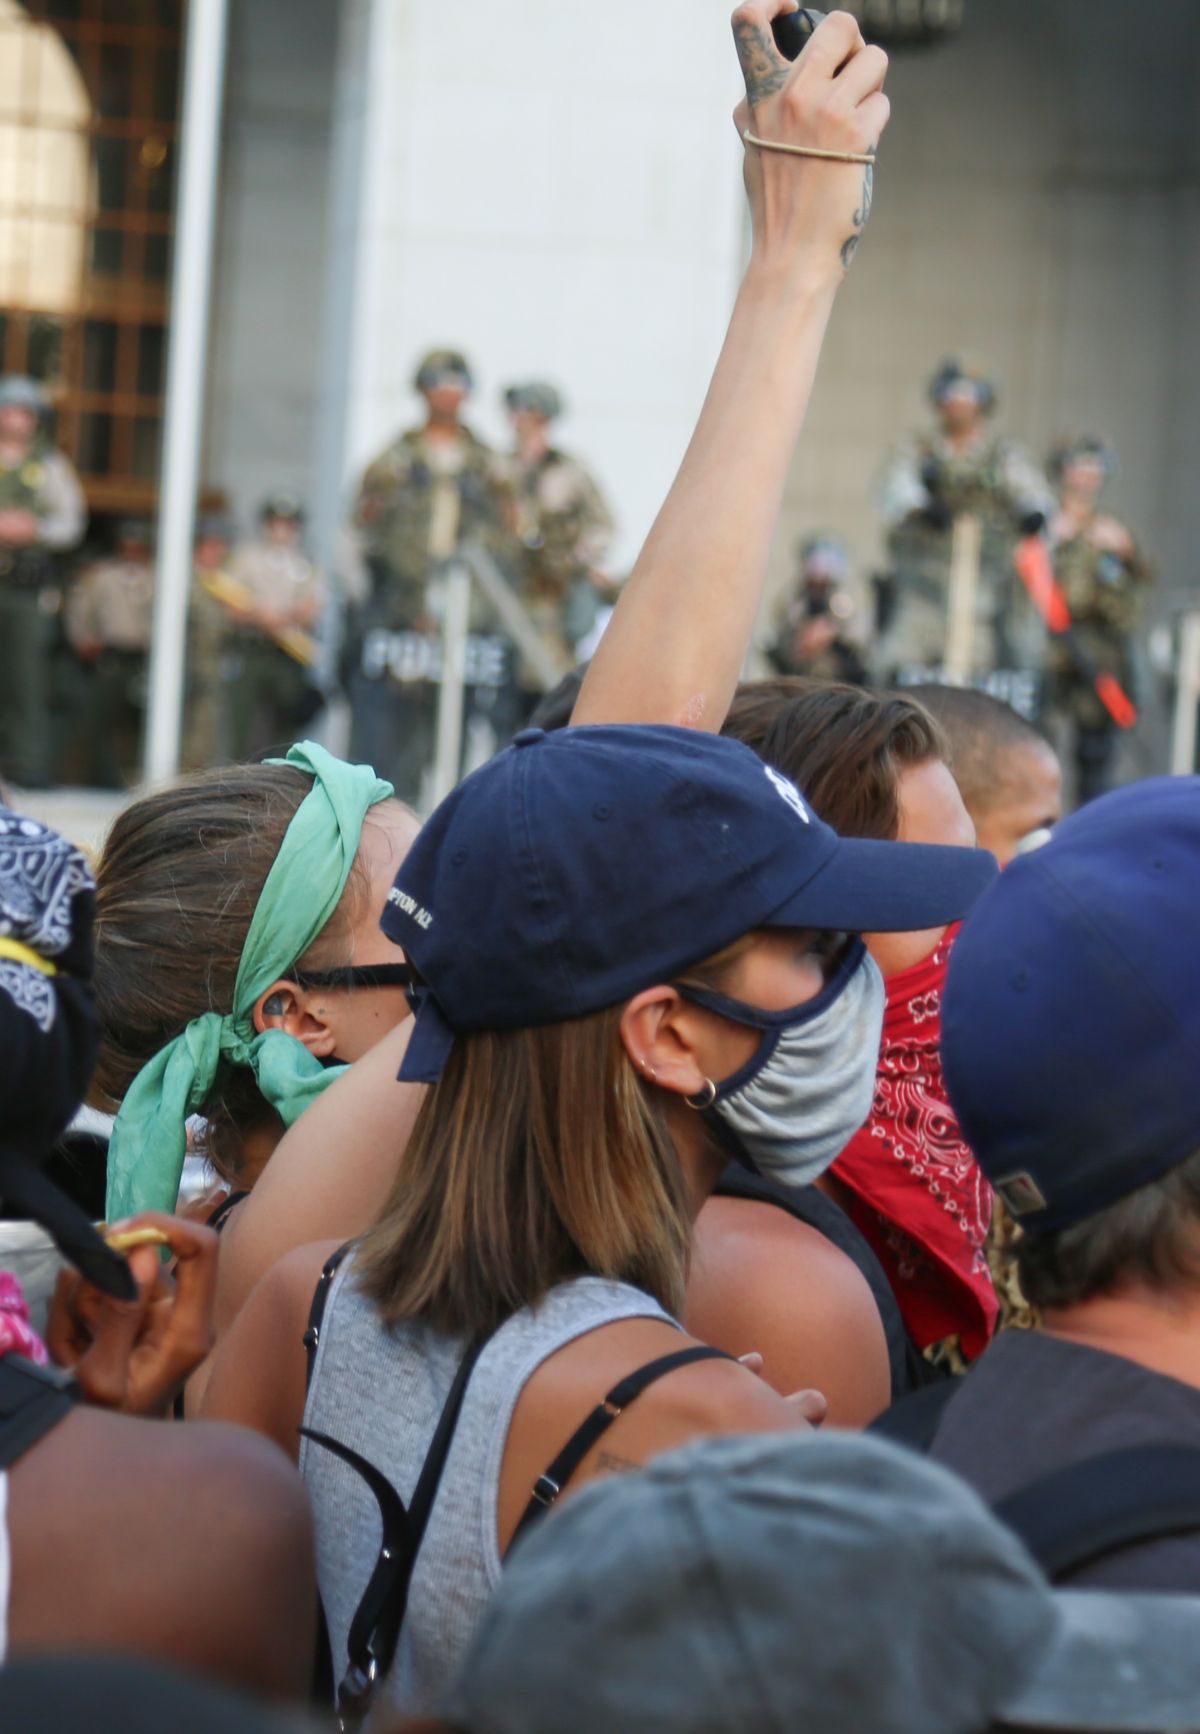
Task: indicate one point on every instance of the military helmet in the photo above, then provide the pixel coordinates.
(824, 556)
(537, 396)
(1087, 447)
(438, 364)
(281, 506)
(953, 372)
(18, 391)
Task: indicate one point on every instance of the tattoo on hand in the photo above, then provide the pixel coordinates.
(607, 1464)
(850, 244)
(762, 67)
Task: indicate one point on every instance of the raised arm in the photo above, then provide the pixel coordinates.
(674, 650)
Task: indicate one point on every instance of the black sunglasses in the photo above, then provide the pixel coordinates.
(354, 975)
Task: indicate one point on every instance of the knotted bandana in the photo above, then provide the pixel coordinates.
(301, 893)
(919, 1196)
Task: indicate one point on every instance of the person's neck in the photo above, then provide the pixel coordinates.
(532, 448)
(963, 439)
(1077, 509)
(702, 1162)
(14, 452)
(443, 430)
(1157, 1330)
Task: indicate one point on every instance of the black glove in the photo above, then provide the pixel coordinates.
(937, 515)
(1031, 523)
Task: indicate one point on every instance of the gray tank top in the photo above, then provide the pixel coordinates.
(381, 1392)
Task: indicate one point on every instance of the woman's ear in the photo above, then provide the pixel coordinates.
(286, 1007)
(658, 1033)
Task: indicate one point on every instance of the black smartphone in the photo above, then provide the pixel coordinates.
(793, 30)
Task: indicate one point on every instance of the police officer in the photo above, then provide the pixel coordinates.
(42, 515)
(435, 488)
(274, 597)
(563, 528)
(960, 469)
(810, 628)
(209, 629)
(108, 617)
(1103, 576)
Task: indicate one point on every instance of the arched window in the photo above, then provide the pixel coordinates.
(88, 112)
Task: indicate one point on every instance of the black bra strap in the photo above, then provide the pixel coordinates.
(316, 1312)
(375, 1629)
(550, 1484)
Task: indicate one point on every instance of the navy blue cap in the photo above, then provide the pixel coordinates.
(1071, 1016)
(577, 868)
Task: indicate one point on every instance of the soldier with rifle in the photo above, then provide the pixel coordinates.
(435, 490)
(955, 502)
(1103, 577)
(273, 596)
(42, 516)
(810, 635)
(563, 527)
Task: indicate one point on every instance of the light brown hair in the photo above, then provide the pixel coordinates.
(845, 748)
(176, 888)
(538, 1156)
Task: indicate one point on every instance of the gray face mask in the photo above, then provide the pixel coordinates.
(795, 1106)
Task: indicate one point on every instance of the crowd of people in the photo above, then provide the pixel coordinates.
(263, 619)
(704, 1230)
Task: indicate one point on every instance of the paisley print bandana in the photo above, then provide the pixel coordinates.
(916, 1191)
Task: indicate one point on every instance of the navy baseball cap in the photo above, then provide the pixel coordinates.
(1071, 1013)
(578, 867)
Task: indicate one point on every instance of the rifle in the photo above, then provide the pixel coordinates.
(1034, 568)
(298, 644)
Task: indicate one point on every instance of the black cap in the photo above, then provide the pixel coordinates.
(49, 1033)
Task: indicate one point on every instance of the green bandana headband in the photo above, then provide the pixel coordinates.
(303, 888)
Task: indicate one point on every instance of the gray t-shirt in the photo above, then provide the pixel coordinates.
(1033, 1403)
(381, 1392)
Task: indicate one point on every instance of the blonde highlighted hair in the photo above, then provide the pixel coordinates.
(539, 1155)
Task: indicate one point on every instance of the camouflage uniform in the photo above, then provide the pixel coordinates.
(108, 617)
(270, 696)
(929, 483)
(205, 740)
(1103, 590)
(564, 528)
(418, 502)
(809, 639)
(42, 483)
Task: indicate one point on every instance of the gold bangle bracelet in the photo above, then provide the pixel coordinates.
(791, 150)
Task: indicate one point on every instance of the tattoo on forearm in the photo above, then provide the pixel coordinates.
(607, 1464)
(850, 244)
(762, 68)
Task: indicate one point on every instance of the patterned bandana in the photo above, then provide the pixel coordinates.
(918, 1195)
(48, 1032)
(17, 1335)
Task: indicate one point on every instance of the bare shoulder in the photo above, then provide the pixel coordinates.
(258, 1374)
(762, 1281)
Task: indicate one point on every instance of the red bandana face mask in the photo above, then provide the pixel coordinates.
(918, 1194)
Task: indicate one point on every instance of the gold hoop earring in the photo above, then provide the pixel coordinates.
(703, 1098)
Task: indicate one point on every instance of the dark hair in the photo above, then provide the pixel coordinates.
(844, 747)
(1152, 1236)
(981, 730)
(178, 881)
